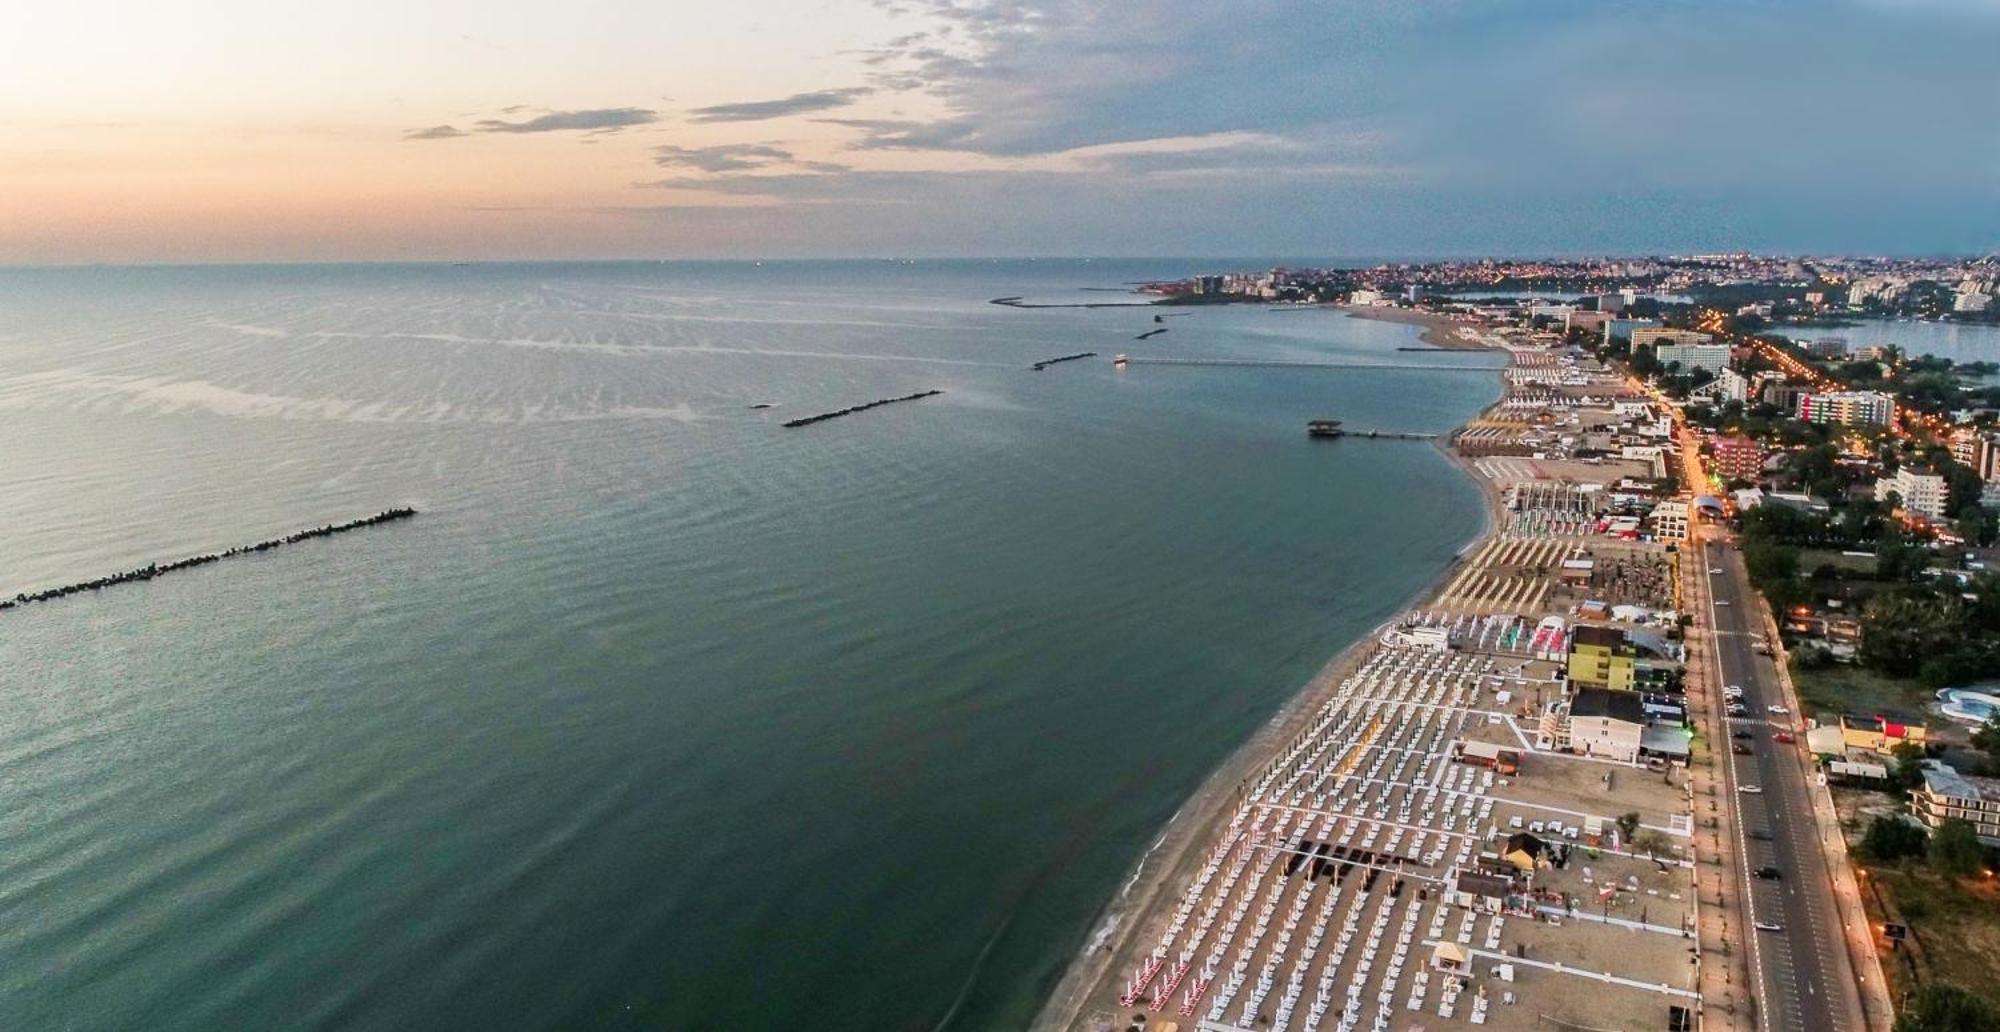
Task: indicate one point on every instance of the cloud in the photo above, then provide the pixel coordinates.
(595, 120)
(736, 157)
(796, 104)
(1509, 127)
(436, 132)
(910, 134)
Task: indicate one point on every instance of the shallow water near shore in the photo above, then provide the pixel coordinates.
(658, 714)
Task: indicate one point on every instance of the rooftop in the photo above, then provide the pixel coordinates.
(1942, 780)
(1603, 702)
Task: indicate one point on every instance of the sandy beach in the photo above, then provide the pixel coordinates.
(1439, 331)
(1133, 918)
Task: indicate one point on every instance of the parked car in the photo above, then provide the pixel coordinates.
(1768, 873)
(1777, 709)
(1741, 734)
(1715, 571)
(1784, 736)
(1750, 789)
(1721, 601)
(1770, 926)
(1740, 749)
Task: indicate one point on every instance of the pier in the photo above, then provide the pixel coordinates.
(852, 409)
(152, 570)
(1047, 362)
(1015, 301)
(1254, 363)
(1331, 428)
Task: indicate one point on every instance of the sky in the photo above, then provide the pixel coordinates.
(267, 130)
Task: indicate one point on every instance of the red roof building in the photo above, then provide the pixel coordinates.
(1738, 458)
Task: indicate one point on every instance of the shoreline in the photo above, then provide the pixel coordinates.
(1439, 331)
(1113, 936)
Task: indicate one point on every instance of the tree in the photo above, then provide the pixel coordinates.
(1969, 662)
(1899, 559)
(1955, 848)
(1628, 825)
(1987, 740)
(1976, 525)
(1890, 839)
(1908, 770)
(1899, 630)
(1943, 1007)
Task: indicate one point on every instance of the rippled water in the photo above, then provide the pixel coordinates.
(658, 715)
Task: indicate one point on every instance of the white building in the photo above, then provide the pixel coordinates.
(1669, 521)
(1946, 795)
(1923, 494)
(1979, 452)
(1689, 349)
(1848, 408)
(1731, 385)
(1597, 722)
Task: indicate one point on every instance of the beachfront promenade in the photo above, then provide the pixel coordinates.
(1366, 864)
(1334, 895)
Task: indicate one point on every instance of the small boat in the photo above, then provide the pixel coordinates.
(761, 404)
(1120, 362)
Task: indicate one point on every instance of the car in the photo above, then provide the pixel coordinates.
(1741, 734)
(1769, 926)
(1750, 789)
(1777, 709)
(1740, 749)
(1715, 571)
(1769, 873)
(1537, 827)
(1784, 736)
(1721, 601)
(1514, 822)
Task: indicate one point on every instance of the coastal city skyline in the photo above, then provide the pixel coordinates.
(608, 129)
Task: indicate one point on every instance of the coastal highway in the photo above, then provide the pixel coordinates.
(1803, 978)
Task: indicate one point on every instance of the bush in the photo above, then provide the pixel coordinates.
(1955, 849)
(1890, 839)
(1941, 1007)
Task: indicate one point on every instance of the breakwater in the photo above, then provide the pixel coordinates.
(852, 409)
(1047, 362)
(1017, 302)
(152, 570)
(1274, 364)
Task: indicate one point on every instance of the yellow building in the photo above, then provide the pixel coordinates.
(1880, 734)
(1526, 852)
(1598, 658)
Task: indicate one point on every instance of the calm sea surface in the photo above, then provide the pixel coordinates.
(659, 716)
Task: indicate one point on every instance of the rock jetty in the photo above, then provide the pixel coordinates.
(152, 570)
(837, 413)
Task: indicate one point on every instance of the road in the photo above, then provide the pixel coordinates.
(1803, 977)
